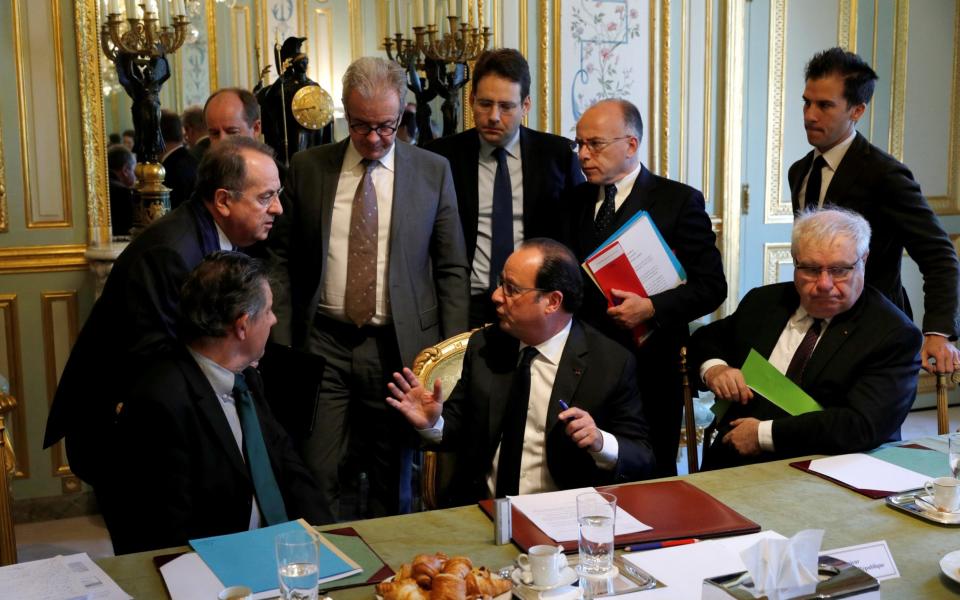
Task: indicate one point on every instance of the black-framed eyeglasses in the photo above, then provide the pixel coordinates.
(836, 272)
(512, 291)
(596, 145)
(264, 200)
(383, 129)
(506, 108)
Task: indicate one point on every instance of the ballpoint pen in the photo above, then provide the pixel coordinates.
(563, 405)
(658, 545)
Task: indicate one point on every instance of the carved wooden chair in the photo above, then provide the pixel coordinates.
(944, 382)
(690, 436)
(443, 361)
(8, 543)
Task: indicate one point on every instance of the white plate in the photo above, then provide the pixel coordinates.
(504, 596)
(567, 576)
(950, 565)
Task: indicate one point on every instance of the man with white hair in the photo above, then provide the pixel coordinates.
(377, 270)
(843, 343)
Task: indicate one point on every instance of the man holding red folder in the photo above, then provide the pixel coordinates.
(618, 187)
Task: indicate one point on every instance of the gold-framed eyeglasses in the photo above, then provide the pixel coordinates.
(264, 200)
(512, 291)
(506, 108)
(383, 129)
(837, 273)
(596, 145)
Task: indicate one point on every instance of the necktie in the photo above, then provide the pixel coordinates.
(502, 231)
(360, 298)
(607, 212)
(258, 461)
(814, 182)
(802, 356)
(514, 424)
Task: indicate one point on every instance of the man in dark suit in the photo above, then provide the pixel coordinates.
(199, 433)
(853, 173)
(843, 343)
(178, 163)
(121, 165)
(544, 401)
(231, 112)
(377, 271)
(618, 187)
(508, 178)
(133, 320)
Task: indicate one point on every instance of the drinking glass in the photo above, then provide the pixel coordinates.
(297, 565)
(953, 442)
(596, 514)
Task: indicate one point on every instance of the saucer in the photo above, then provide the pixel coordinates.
(925, 502)
(950, 565)
(567, 576)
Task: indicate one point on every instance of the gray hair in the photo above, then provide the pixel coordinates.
(827, 224)
(225, 166)
(372, 76)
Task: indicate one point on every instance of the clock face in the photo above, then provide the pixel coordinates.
(312, 107)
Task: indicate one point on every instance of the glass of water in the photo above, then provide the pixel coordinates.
(297, 565)
(953, 441)
(596, 514)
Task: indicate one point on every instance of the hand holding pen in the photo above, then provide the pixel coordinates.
(581, 427)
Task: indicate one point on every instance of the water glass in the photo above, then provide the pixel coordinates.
(298, 565)
(596, 514)
(953, 443)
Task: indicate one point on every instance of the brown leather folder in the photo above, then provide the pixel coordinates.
(674, 510)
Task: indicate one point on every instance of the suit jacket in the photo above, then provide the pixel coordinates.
(594, 374)
(427, 271)
(182, 448)
(863, 371)
(549, 167)
(883, 190)
(181, 175)
(133, 319)
(121, 208)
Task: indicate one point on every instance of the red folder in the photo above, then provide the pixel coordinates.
(674, 510)
(619, 274)
(804, 465)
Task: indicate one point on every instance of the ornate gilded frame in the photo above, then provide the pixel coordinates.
(92, 125)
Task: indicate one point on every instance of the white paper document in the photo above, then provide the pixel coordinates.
(73, 577)
(189, 578)
(651, 259)
(865, 472)
(874, 558)
(555, 513)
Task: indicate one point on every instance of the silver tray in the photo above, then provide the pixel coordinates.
(908, 502)
(629, 579)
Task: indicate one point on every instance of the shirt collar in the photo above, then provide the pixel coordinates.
(552, 349)
(223, 240)
(801, 319)
(512, 146)
(352, 158)
(626, 182)
(834, 155)
(220, 378)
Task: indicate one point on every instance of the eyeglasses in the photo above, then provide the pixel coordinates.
(383, 130)
(264, 200)
(512, 291)
(596, 145)
(837, 273)
(485, 106)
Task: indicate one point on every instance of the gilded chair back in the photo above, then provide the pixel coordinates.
(8, 542)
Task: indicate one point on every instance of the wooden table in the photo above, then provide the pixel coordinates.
(775, 495)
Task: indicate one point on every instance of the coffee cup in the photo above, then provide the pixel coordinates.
(235, 592)
(945, 493)
(545, 563)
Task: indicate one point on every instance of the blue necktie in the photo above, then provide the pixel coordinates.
(258, 461)
(502, 230)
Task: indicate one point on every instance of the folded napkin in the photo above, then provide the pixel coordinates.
(785, 568)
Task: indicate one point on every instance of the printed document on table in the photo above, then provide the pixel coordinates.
(73, 577)
(864, 472)
(555, 513)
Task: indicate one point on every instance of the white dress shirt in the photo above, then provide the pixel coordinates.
(833, 156)
(221, 380)
(783, 351)
(486, 173)
(223, 240)
(534, 474)
(624, 187)
(334, 284)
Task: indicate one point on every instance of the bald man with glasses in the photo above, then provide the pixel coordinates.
(618, 187)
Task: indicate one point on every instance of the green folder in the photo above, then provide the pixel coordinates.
(766, 380)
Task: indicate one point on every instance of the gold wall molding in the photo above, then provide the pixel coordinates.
(55, 356)
(873, 55)
(66, 196)
(653, 99)
(14, 373)
(707, 99)
(237, 13)
(684, 98)
(777, 209)
(21, 103)
(847, 25)
(775, 255)
(356, 28)
(543, 6)
(557, 61)
(211, 12)
(524, 44)
(312, 26)
(91, 123)
(42, 259)
(4, 219)
(898, 93)
(949, 204)
(664, 163)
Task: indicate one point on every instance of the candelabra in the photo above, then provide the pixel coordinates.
(139, 53)
(437, 64)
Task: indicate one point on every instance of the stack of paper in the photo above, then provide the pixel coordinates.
(555, 513)
(59, 578)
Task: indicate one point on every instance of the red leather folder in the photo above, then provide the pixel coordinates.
(804, 465)
(674, 510)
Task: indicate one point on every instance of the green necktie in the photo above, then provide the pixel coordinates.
(258, 461)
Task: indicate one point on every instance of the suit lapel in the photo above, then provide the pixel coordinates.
(330, 177)
(531, 189)
(799, 173)
(404, 187)
(848, 171)
(639, 198)
(780, 313)
(469, 202)
(573, 364)
(837, 333)
(503, 354)
(209, 406)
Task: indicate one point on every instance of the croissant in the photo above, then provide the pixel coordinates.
(405, 572)
(425, 567)
(401, 589)
(448, 587)
(480, 582)
(458, 565)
